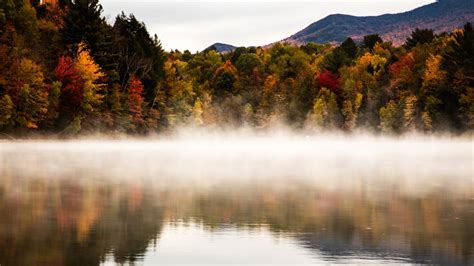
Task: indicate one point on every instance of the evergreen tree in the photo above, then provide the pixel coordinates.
(371, 40)
(139, 54)
(458, 62)
(419, 36)
(83, 22)
(349, 47)
(459, 54)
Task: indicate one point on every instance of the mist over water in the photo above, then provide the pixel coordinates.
(415, 163)
(211, 195)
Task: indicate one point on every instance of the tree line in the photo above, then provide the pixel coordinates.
(65, 70)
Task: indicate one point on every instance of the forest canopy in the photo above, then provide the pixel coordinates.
(65, 70)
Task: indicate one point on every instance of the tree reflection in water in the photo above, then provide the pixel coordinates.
(79, 222)
(85, 216)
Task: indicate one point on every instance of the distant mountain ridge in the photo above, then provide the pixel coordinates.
(221, 48)
(441, 16)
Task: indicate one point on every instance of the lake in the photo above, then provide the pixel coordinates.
(197, 199)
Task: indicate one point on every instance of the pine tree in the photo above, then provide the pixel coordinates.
(83, 23)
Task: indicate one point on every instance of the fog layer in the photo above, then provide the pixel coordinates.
(411, 164)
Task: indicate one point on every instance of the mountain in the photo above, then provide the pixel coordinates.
(221, 48)
(441, 16)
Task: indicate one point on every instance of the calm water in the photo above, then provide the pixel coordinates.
(278, 200)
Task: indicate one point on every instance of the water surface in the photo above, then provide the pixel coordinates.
(245, 200)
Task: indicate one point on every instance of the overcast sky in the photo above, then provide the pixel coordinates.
(195, 25)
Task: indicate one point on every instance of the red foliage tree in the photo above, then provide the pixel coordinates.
(329, 80)
(406, 61)
(72, 84)
(135, 98)
(402, 74)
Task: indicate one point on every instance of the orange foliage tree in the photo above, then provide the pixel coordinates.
(135, 99)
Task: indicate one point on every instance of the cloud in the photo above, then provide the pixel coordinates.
(195, 25)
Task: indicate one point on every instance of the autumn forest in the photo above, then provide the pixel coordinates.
(65, 70)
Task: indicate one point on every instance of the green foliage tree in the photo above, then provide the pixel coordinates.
(53, 104)
(6, 110)
(234, 55)
(312, 48)
(225, 80)
(31, 107)
(248, 63)
(203, 66)
(340, 56)
(389, 117)
(32, 101)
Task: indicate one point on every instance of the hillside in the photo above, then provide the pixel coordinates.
(221, 48)
(444, 15)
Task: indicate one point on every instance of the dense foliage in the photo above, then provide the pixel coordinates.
(64, 69)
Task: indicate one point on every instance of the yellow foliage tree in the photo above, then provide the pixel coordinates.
(248, 114)
(360, 82)
(433, 73)
(32, 102)
(91, 73)
(324, 109)
(197, 113)
(388, 117)
(350, 111)
(181, 98)
(433, 79)
(409, 112)
(264, 109)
